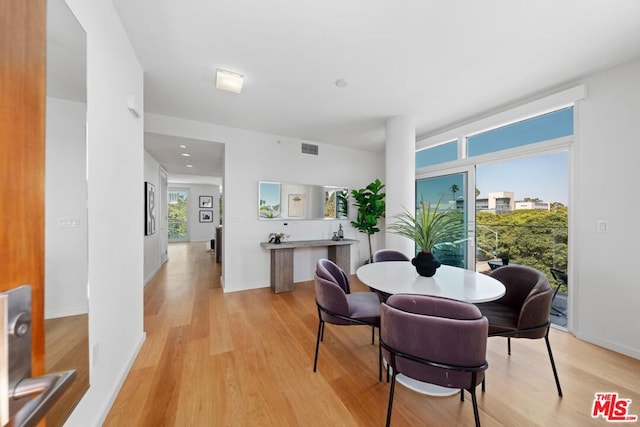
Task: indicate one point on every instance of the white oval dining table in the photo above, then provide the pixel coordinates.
(395, 277)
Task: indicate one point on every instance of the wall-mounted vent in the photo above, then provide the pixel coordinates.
(309, 149)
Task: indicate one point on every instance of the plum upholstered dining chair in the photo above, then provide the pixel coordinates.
(561, 279)
(339, 306)
(523, 311)
(382, 255)
(436, 340)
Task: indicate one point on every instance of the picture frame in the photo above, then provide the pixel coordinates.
(149, 209)
(206, 216)
(296, 205)
(206, 202)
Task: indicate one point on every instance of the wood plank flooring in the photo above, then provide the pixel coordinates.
(67, 347)
(246, 359)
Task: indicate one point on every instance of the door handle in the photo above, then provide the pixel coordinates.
(24, 401)
(48, 389)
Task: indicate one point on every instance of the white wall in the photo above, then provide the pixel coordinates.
(201, 231)
(606, 175)
(152, 243)
(115, 189)
(66, 200)
(251, 157)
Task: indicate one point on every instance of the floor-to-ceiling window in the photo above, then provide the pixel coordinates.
(522, 214)
(517, 173)
(447, 192)
(177, 214)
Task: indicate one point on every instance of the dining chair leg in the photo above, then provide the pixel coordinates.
(509, 346)
(320, 333)
(476, 414)
(483, 382)
(391, 392)
(461, 395)
(553, 364)
(373, 334)
(379, 362)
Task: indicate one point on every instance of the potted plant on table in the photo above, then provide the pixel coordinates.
(428, 227)
(371, 207)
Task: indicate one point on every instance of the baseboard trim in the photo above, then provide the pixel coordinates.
(74, 311)
(152, 275)
(627, 351)
(123, 376)
(245, 287)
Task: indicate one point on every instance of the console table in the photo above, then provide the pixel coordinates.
(338, 251)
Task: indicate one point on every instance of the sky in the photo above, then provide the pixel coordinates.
(270, 193)
(545, 177)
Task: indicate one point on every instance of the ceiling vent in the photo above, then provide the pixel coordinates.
(309, 149)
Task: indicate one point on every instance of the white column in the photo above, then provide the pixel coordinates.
(400, 180)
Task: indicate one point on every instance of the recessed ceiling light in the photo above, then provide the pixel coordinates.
(341, 83)
(186, 154)
(189, 166)
(183, 146)
(229, 81)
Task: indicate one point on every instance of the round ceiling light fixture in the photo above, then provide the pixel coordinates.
(341, 83)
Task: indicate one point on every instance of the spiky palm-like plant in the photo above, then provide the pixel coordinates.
(428, 226)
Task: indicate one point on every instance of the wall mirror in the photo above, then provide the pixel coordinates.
(282, 201)
(66, 246)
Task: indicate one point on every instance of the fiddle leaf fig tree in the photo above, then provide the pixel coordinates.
(371, 207)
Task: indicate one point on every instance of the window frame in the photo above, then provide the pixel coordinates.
(567, 98)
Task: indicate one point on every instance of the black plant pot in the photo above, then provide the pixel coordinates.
(426, 264)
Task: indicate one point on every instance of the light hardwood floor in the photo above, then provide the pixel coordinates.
(67, 347)
(246, 359)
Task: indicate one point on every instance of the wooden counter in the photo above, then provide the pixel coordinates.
(338, 251)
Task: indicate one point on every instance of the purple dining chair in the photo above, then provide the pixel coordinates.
(561, 279)
(523, 311)
(339, 306)
(435, 340)
(382, 255)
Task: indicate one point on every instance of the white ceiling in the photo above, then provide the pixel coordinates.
(205, 157)
(440, 62)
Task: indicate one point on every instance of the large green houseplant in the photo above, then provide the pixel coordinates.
(428, 227)
(371, 207)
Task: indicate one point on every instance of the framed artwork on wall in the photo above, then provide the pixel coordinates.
(206, 202)
(206, 216)
(296, 205)
(149, 209)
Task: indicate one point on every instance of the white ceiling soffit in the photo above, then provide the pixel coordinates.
(440, 62)
(205, 157)
(175, 180)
